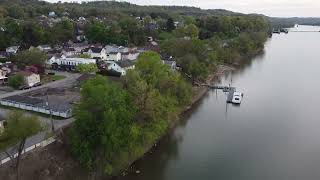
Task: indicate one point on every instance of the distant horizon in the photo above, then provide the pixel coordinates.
(271, 8)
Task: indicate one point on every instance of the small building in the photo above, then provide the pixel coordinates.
(30, 78)
(52, 14)
(113, 56)
(44, 48)
(114, 68)
(130, 55)
(12, 49)
(96, 52)
(3, 75)
(69, 52)
(126, 65)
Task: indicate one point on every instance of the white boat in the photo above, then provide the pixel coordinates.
(237, 97)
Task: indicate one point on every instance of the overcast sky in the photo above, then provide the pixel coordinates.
(279, 8)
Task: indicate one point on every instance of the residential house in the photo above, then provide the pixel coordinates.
(30, 78)
(69, 52)
(130, 55)
(52, 14)
(113, 56)
(114, 69)
(12, 49)
(4, 71)
(44, 48)
(126, 65)
(96, 52)
(79, 47)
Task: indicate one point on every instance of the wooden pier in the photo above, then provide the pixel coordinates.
(228, 89)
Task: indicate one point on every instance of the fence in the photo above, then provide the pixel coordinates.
(43, 143)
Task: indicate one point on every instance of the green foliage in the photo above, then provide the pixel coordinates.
(18, 128)
(103, 120)
(87, 68)
(16, 81)
(30, 57)
(114, 125)
(170, 25)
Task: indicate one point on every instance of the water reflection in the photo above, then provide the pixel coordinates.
(274, 133)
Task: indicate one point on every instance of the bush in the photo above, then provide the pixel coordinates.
(16, 81)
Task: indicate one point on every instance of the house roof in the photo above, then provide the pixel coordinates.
(93, 49)
(125, 63)
(26, 73)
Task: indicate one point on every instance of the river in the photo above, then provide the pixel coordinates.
(273, 135)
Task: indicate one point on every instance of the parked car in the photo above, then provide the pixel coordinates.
(24, 87)
(37, 84)
(51, 73)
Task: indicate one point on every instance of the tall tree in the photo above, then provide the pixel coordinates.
(170, 25)
(31, 57)
(19, 127)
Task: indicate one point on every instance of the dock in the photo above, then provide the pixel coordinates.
(228, 89)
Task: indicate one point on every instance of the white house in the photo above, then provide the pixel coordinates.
(52, 14)
(95, 52)
(12, 49)
(44, 48)
(130, 55)
(112, 66)
(30, 79)
(113, 56)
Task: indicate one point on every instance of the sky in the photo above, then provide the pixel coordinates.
(274, 8)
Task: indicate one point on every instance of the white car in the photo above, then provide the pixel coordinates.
(237, 97)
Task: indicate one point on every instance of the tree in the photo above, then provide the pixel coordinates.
(192, 31)
(87, 68)
(31, 57)
(170, 25)
(104, 118)
(19, 127)
(16, 81)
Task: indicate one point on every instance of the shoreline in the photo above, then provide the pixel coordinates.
(200, 92)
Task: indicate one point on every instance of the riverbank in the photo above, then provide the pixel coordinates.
(56, 162)
(198, 93)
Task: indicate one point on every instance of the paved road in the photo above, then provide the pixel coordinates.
(66, 82)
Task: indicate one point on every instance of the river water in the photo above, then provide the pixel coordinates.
(273, 135)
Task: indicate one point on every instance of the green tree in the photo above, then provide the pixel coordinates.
(103, 123)
(192, 31)
(16, 81)
(19, 127)
(87, 68)
(170, 25)
(31, 57)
